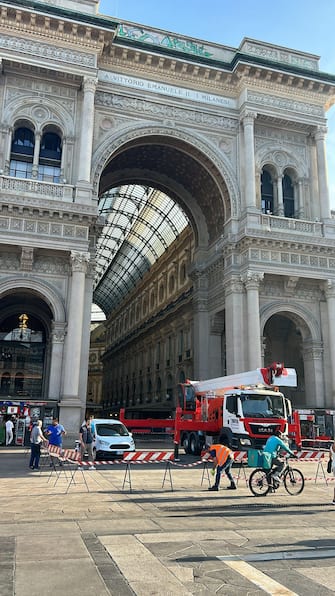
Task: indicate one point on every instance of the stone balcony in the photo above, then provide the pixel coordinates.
(274, 223)
(36, 188)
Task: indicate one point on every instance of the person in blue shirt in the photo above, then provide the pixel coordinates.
(274, 445)
(55, 433)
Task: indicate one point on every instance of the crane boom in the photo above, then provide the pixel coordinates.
(276, 374)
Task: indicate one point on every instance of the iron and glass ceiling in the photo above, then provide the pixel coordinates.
(140, 224)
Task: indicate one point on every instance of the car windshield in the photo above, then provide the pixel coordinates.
(263, 406)
(111, 430)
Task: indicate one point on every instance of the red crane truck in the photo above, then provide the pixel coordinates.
(241, 410)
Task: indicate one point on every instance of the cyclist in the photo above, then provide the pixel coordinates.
(274, 445)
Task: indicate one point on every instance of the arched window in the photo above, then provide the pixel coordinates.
(171, 283)
(288, 196)
(49, 163)
(266, 192)
(152, 300)
(182, 273)
(22, 153)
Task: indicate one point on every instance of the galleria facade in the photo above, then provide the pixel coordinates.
(179, 185)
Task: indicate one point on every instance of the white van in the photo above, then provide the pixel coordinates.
(110, 438)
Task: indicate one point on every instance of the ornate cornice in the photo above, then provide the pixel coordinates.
(28, 206)
(38, 22)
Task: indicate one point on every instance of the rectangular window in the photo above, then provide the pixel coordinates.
(20, 169)
(49, 173)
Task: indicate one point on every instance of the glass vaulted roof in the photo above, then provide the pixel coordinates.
(140, 224)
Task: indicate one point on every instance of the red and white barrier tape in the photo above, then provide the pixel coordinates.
(138, 457)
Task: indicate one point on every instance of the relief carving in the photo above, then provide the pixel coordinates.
(48, 51)
(135, 105)
(275, 102)
(9, 261)
(51, 265)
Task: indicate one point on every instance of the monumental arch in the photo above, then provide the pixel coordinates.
(181, 185)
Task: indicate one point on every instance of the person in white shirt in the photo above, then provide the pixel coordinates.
(36, 439)
(9, 431)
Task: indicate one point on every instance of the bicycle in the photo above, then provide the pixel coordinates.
(261, 481)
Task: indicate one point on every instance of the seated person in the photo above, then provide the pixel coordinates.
(274, 445)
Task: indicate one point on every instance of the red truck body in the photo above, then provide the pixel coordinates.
(240, 410)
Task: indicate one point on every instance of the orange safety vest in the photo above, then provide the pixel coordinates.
(222, 453)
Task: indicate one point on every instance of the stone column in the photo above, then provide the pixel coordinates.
(313, 373)
(36, 157)
(201, 325)
(300, 209)
(8, 148)
(258, 189)
(86, 133)
(235, 333)
(216, 351)
(86, 335)
(280, 202)
(320, 140)
(72, 400)
(63, 176)
(249, 159)
(251, 281)
(330, 296)
(57, 347)
(75, 325)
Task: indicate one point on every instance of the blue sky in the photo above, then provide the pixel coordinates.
(304, 25)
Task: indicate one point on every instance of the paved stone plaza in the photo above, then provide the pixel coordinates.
(100, 539)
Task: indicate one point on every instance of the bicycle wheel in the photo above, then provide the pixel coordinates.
(294, 481)
(258, 483)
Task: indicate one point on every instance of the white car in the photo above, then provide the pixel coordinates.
(110, 438)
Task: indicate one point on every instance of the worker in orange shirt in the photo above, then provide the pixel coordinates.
(223, 458)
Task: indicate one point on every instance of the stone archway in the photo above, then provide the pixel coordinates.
(47, 310)
(187, 168)
(25, 328)
(292, 335)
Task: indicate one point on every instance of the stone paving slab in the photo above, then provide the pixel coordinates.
(83, 541)
(49, 577)
(51, 547)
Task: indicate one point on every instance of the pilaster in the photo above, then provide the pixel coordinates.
(252, 281)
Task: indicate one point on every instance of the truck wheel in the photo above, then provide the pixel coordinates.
(186, 444)
(194, 445)
(224, 440)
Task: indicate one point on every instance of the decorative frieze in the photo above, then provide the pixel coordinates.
(36, 85)
(43, 228)
(46, 51)
(9, 261)
(282, 55)
(137, 106)
(51, 265)
(276, 102)
(286, 257)
(290, 286)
